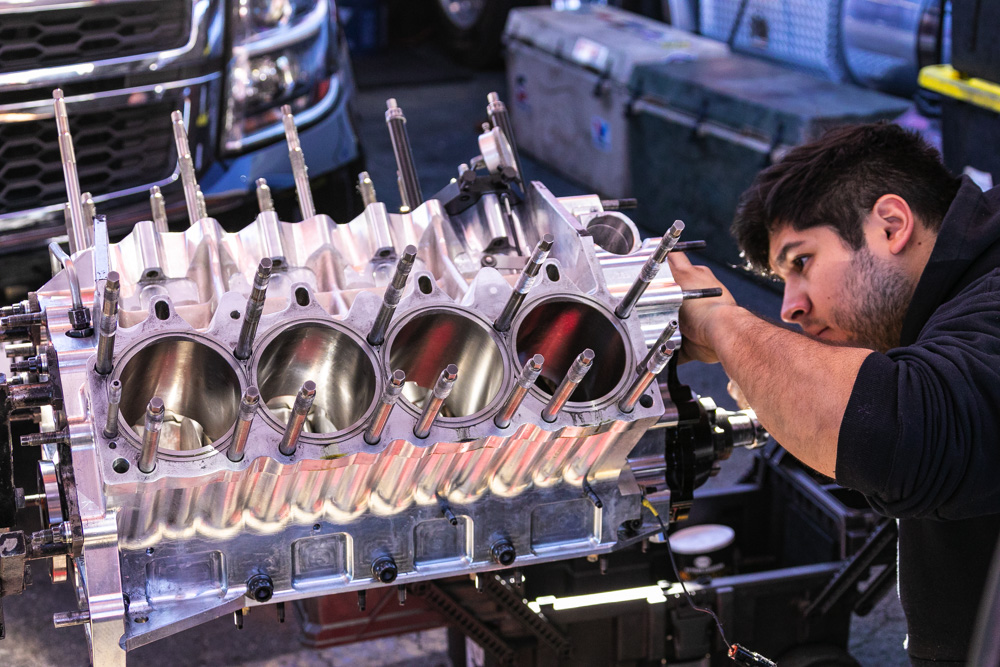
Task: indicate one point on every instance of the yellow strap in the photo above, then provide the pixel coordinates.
(946, 80)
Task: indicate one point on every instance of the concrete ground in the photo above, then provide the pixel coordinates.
(443, 119)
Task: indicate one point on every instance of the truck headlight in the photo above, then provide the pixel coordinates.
(271, 13)
(283, 53)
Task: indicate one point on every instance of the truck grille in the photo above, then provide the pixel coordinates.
(39, 39)
(116, 149)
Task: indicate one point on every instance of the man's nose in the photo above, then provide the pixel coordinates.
(794, 305)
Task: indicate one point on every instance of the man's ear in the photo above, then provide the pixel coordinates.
(894, 222)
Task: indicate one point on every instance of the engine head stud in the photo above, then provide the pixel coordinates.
(255, 306)
(574, 376)
(649, 270)
(151, 434)
(436, 398)
(300, 410)
(381, 416)
(248, 408)
(109, 324)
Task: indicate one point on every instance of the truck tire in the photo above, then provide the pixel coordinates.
(472, 28)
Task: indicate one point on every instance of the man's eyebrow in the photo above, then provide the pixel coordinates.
(788, 247)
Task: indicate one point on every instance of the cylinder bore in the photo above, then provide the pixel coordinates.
(199, 388)
(559, 330)
(344, 375)
(614, 233)
(429, 342)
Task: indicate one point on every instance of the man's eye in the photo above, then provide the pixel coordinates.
(799, 262)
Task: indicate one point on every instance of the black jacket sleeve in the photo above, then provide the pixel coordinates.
(921, 433)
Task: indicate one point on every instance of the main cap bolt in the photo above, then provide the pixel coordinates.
(384, 569)
(260, 588)
(503, 552)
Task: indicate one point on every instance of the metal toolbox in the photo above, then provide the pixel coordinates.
(700, 132)
(869, 42)
(803, 34)
(568, 75)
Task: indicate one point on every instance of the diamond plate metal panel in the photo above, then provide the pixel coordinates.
(804, 34)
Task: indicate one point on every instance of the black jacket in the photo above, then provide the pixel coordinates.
(921, 434)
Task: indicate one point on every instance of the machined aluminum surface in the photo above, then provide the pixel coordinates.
(180, 538)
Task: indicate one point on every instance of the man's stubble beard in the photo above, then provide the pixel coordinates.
(878, 295)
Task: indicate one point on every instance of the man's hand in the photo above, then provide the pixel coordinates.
(799, 387)
(696, 314)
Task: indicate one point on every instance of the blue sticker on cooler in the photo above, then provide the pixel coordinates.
(600, 134)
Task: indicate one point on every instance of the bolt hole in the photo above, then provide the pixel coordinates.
(150, 551)
(152, 275)
(552, 271)
(235, 314)
(120, 466)
(275, 263)
(646, 401)
(385, 252)
(302, 296)
(425, 285)
(112, 445)
(140, 619)
(162, 310)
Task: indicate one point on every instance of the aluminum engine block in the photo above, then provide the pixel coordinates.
(203, 532)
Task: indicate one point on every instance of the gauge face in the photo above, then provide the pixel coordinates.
(496, 150)
(505, 150)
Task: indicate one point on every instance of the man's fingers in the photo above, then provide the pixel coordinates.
(679, 260)
(691, 351)
(683, 356)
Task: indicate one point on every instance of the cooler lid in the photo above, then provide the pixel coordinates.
(607, 40)
(742, 92)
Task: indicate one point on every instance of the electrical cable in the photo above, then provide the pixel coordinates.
(739, 654)
(666, 540)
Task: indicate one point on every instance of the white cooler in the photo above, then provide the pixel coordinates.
(568, 94)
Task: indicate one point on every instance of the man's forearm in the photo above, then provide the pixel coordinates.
(798, 386)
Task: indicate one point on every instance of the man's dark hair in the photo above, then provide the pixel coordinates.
(836, 180)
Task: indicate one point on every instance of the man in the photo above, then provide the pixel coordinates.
(892, 270)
